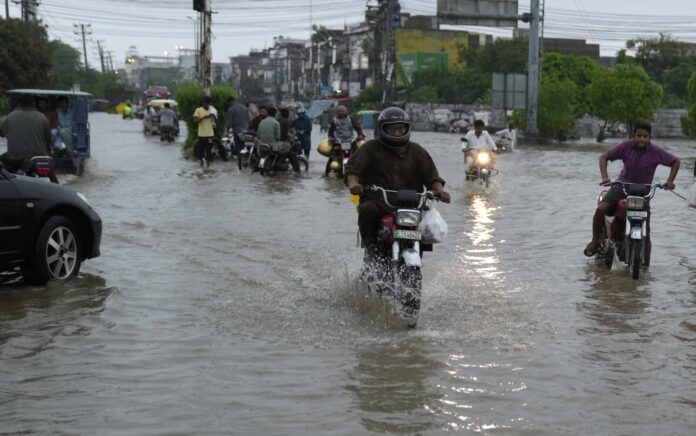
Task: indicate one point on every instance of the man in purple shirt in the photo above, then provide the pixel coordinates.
(640, 157)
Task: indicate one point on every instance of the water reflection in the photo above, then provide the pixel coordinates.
(474, 381)
(393, 387)
(31, 317)
(481, 257)
(615, 302)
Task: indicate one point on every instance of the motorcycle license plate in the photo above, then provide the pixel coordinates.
(637, 214)
(413, 235)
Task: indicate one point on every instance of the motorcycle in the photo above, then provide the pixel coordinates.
(167, 133)
(342, 152)
(248, 157)
(272, 162)
(394, 270)
(482, 168)
(626, 233)
(38, 167)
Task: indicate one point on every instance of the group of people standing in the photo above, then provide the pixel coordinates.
(271, 125)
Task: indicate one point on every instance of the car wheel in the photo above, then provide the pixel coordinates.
(56, 256)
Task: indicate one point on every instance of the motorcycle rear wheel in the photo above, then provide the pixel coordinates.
(635, 258)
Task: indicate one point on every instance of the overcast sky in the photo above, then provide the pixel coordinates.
(158, 26)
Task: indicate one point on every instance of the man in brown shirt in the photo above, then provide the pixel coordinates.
(392, 162)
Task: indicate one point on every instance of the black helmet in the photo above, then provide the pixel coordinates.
(393, 115)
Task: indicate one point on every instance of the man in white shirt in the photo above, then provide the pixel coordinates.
(508, 137)
(474, 140)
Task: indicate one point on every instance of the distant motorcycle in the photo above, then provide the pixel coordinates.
(396, 271)
(271, 162)
(248, 157)
(38, 167)
(167, 133)
(482, 168)
(342, 151)
(625, 234)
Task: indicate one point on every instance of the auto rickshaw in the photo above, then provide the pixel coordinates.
(151, 121)
(71, 131)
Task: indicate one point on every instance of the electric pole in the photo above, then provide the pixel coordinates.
(84, 30)
(7, 9)
(533, 76)
(208, 52)
(101, 56)
(28, 10)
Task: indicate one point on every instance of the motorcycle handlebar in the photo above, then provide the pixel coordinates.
(424, 196)
(651, 192)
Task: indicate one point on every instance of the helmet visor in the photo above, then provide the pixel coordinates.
(396, 130)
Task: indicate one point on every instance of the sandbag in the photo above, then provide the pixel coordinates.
(433, 227)
(692, 196)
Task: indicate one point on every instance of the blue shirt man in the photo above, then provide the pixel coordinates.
(303, 127)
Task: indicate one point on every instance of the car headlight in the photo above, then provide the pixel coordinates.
(408, 218)
(636, 203)
(82, 197)
(483, 158)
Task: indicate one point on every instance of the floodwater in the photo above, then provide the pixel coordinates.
(226, 303)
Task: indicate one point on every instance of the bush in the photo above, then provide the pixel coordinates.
(424, 94)
(369, 99)
(190, 97)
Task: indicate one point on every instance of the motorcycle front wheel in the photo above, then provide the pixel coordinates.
(635, 257)
(409, 286)
(304, 164)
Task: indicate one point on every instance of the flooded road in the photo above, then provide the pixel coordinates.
(225, 303)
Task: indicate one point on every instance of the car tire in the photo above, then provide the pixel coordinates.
(57, 253)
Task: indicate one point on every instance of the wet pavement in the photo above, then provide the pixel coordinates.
(226, 303)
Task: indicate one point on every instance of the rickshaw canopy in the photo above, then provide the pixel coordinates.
(160, 103)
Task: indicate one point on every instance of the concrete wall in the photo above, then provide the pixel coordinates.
(667, 124)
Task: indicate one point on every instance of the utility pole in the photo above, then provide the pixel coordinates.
(311, 54)
(101, 56)
(84, 30)
(28, 10)
(533, 76)
(7, 9)
(208, 52)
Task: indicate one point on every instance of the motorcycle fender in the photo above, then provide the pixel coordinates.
(262, 161)
(636, 232)
(345, 161)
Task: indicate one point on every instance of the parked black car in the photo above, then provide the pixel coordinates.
(46, 230)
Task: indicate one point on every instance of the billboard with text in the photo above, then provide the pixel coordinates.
(492, 13)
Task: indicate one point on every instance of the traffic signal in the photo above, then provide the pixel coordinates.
(199, 5)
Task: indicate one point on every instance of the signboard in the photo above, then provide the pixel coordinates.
(509, 91)
(491, 13)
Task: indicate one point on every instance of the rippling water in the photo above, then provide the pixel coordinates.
(226, 303)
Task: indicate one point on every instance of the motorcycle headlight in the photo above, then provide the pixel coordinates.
(408, 218)
(483, 158)
(636, 203)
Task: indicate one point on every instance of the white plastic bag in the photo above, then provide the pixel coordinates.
(433, 227)
(692, 196)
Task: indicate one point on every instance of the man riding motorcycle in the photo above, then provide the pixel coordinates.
(341, 129)
(28, 135)
(392, 162)
(640, 157)
(475, 140)
(270, 133)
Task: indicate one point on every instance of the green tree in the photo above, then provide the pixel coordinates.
(369, 99)
(424, 94)
(667, 61)
(25, 61)
(688, 121)
(455, 85)
(624, 95)
(556, 116)
(576, 69)
(500, 56)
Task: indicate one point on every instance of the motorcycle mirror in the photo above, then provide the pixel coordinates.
(464, 139)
